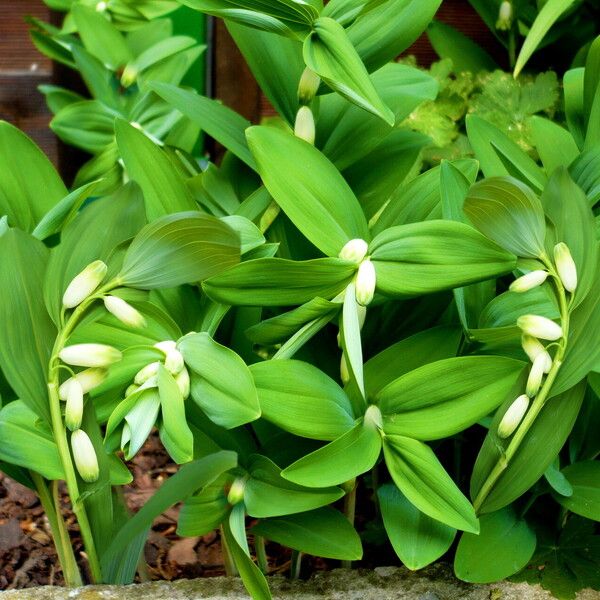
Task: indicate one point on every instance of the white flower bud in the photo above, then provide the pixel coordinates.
(166, 346)
(308, 86)
(90, 355)
(236, 491)
(144, 374)
(565, 265)
(366, 280)
(102, 6)
(84, 456)
(505, 16)
(373, 417)
(183, 382)
(540, 327)
(87, 379)
(513, 416)
(528, 281)
(174, 362)
(534, 381)
(354, 251)
(84, 284)
(132, 389)
(124, 311)
(344, 372)
(129, 76)
(533, 348)
(74, 406)
(304, 128)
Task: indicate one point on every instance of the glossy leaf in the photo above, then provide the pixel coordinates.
(555, 145)
(584, 478)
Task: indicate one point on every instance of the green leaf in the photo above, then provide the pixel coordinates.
(98, 78)
(324, 532)
(186, 481)
(442, 398)
(421, 478)
(554, 144)
(28, 442)
(585, 172)
(222, 385)
(465, 54)
(426, 257)
(267, 494)
(280, 282)
(348, 456)
(29, 184)
(293, 172)
(573, 86)
(508, 212)
(557, 481)
(175, 433)
(27, 331)
(539, 448)
(179, 248)
(548, 15)
(584, 478)
(218, 121)
(164, 189)
(301, 399)
(417, 539)
(500, 156)
(505, 544)
(329, 52)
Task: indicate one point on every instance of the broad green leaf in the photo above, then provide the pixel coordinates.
(584, 478)
(435, 255)
(301, 399)
(329, 53)
(539, 448)
(280, 282)
(557, 481)
(504, 545)
(508, 212)
(417, 539)
(28, 442)
(267, 494)
(29, 184)
(573, 86)
(222, 384)
(348, 456)
(186, 481)
(585, 172)
(175, 433)
(554, 144)
(179, 248)
(444, 397)
(293, 172)
(324, 532)
(550, 13)
(500, 156)
(164, 189)
(27, 331)
(465, 54)
(419, 475)
(98, 78)
(218, 121)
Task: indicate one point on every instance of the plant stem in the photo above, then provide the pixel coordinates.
(350, 512)
(537, 405)
(230, 567)
(60, 535)
(295, 564)
(261, 554)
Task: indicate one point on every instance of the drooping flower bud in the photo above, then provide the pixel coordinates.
(124, 311)
(308, 86)
(90, 355)
(84, 284)
(565, 265)
(144, 374)
(533, 348)
(74, 405)
(354, 251)
(373, 417)
(183, 382)
(129, 76)
(534, 381)
(513, 416)
(102, 6)
(236, 491)
(529, 281)
(166, 346)
(366, 280)
(84, 456)
(540, 327)
(344, 372)
(505, 16)
(87, 379)
(304, 127)
(174, 362)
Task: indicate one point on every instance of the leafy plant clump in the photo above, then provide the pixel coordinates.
(316, 320)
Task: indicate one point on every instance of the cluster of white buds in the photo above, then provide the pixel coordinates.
(505, 16)
(366, 277)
